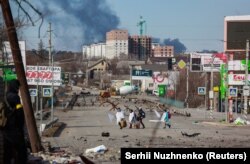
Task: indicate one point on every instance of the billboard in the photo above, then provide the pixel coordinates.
(237, 79)
(236, 32)
(204, 62)
(43, 75)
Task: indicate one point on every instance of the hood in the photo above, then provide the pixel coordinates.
(13, 86)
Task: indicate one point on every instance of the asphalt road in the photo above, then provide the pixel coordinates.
(84, 127)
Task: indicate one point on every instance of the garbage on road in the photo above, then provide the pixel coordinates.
(98, 149)
(240, 121)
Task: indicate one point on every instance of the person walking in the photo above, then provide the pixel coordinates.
(132, 118)
(141, 116)
(166, 118)
(120, 118)
(15, 149)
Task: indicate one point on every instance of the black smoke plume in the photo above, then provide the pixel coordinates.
(178, 46)
(78, 22)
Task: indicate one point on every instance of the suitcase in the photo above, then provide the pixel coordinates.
(123, 123)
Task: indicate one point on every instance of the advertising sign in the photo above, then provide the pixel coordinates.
(237, 79)
(142, 72)
(204, 62)
(43, 75)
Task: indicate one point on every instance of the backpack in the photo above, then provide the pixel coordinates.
(142, 114)
(169, 115)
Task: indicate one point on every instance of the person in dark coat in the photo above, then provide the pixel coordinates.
(14, 138)
(141, 116)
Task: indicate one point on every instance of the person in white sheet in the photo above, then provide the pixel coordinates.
(119, 117)
(132, 118)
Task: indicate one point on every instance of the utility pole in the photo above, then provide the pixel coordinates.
(17, 57)
(50, 47)
(187, 83)
(246, 87)
(211, 92)
(87, 74)
(226, 86)
(51, 64)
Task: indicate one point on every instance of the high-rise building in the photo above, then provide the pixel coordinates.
(116, 43)
(140, 47)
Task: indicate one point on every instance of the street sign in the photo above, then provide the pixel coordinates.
(201, 91)
(47, 92)
(181, 64)
(245, 90)
(142, 72)
(33, 92)
(211, 94)
(233, 92)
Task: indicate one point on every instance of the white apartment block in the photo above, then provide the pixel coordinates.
(116, 43)
(94, 50)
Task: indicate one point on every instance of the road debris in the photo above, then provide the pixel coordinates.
(190, 135)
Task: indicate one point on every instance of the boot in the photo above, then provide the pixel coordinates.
(130, 126)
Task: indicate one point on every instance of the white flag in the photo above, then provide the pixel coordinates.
(157, 113)
(111, 117)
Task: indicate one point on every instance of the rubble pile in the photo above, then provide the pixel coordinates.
(55, 155)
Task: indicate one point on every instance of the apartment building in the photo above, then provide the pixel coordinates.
(140, 47)
(116, 43)
(94, 50)
(162, 51)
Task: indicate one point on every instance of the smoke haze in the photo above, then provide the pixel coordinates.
(77, 22)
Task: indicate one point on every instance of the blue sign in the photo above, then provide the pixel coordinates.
(201, 91)
(142, 72)
(33, 92)
(233, 92)
(47, 92)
